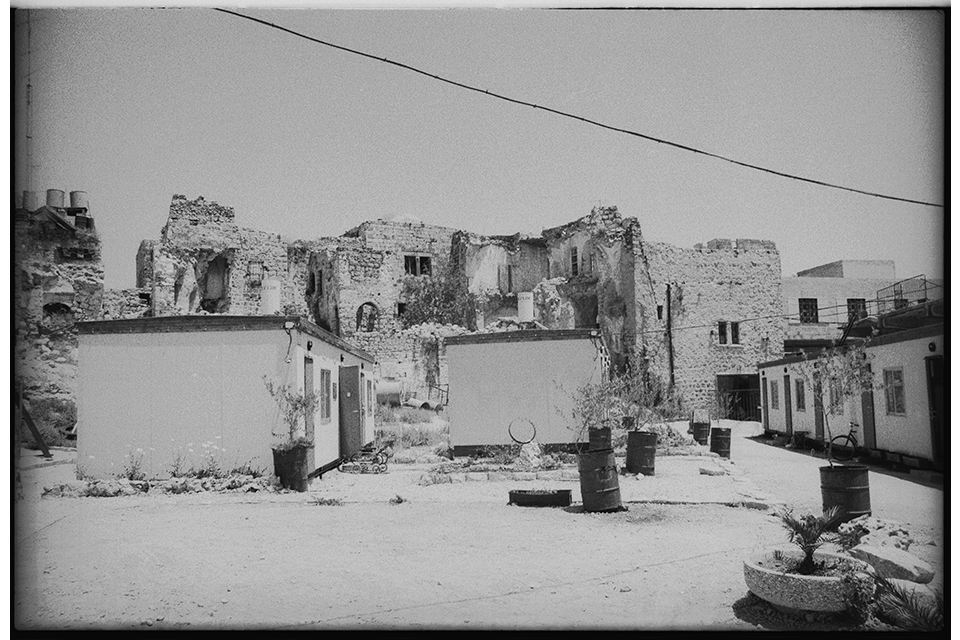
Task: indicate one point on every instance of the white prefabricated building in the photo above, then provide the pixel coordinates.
(159, 390)
(519, 378)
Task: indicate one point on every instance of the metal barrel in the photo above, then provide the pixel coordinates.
(701, 431)
(720, 441)
(847, 487)
(600, 439)
(599, 484)
(641, 452)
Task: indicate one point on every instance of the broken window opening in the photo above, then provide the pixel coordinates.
(367, 315)
(722, 333)
(56, 316)
(424, 265)
(213, 286)
(808, 310)
(311, 284)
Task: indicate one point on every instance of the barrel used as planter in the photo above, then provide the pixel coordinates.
(641, 452)
(290, 465)
(600, 439)
(846, 487)
(720, 441)
(599, 485)
(701, 431)
(540, 497)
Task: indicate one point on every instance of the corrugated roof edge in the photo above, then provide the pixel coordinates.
(527, 335)
(170, 324)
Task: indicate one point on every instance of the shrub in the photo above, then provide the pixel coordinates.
(499, 453)
(809, 533)
(133, 469)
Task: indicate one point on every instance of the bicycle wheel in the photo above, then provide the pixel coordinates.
(842, 448)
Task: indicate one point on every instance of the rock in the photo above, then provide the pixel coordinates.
(707, 471)
(894, 563)
(530, 456)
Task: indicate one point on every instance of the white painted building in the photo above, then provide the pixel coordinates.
(900, 419)
(191, 387)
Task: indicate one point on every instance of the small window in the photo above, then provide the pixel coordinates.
(410, 265)
(722, 333)
(325, 395)
(774, 394)
(255, 271)
(801, 396)
(659, 312)
(808, 310)
(574, 265)
(363, 399)
(894, 391)
(734, 333)
(856, 309)
(836, 397)
(401, 308)
(370, 397)
(416, 265)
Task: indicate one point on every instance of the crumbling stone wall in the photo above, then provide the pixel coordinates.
(57, 281)
(121, 304)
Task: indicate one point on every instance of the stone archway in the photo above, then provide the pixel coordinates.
(367, 316)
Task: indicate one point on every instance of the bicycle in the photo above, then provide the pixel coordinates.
(845, 446)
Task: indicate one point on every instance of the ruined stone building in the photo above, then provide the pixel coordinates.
(698, 318)
(57, 281)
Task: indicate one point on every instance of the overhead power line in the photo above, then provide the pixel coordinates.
(576, 117)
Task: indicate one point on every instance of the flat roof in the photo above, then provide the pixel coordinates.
(216, 322)
(524, 335)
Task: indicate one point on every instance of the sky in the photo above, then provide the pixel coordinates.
(135, 105)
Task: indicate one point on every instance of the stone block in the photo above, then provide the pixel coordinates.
(524, 475)
(891, 562)
(712, 471)
(555, 474)
(498, 476)
(475, 476)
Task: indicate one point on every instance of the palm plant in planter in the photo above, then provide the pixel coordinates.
(290, 451)
(807, 578)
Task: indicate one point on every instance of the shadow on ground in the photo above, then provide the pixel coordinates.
(755, 611)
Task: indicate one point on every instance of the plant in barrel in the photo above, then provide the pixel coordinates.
(290, 448)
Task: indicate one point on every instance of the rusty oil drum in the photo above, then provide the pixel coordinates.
(599, 484)
(720, 441)
(701, 431)
(846, 487)
(641, 452)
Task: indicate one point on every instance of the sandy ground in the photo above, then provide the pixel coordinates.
(449, 556)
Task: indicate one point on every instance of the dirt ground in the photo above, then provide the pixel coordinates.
(448, 556)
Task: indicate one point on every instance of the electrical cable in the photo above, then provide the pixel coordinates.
(576, 117)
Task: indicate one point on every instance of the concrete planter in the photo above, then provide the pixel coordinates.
(795, 592)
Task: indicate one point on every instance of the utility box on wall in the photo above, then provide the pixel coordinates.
(192, 389)
(519, 378)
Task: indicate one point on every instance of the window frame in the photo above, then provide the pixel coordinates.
(574, 262)
(417, 264)
(801, 394)
(722, 332)
(856, 309)
(326, 381)
(890, 387)
(734, 333)
(774, 395)
(806, 314)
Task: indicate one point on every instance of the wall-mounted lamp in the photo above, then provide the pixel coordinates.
(932, 346)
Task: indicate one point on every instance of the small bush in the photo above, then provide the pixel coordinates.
(248, 470)
(133, 470)
(499, 454)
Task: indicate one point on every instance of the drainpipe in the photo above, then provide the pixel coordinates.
(670, 337)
